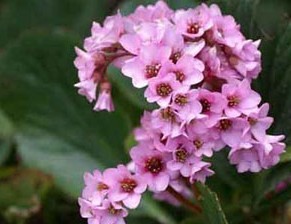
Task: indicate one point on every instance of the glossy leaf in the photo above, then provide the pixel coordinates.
(17, 16)
(271, 180)
(129, 6)
(211, 205)
(57, 129)
(6, 132)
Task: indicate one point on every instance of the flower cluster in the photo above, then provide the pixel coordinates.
(197, 67)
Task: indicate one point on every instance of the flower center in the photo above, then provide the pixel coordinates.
(164, 89)
(233, 101)
(193, 28)
(175, 57)
(233, 60)
(152, 70)
(252, 121)
(154, 165)
(101, 187)
(180, 76)
(181, 100)
(128, 185)
(198, 143)
(225, 124)
(181, 155)
(168, 115)
(113, 211)
(205, 105)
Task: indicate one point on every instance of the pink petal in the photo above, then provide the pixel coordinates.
(132, 201)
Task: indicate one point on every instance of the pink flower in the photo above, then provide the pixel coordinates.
(230, 130)
(161, 89)
(182, 158)
(187, 70)
(167, 122)
(193, 23)
(187, 105)
(272, 148)
(203, 144)
(200, 170)
(151, 165)
(213, 105)
(87, 88)
(241, 99)
(85, 63)
(151, 13)
(246, 157)
(146, 65)
(111, 213)
(106, 36)
(257, 156)
(173, 39)
(86, 209)
(104, 102)
(124, 186)
(143, 34)
(246, 58)
(259, 122)
(95, 188)
(226, 31)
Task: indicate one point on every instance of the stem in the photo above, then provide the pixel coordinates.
(195, 191)
(188, 204)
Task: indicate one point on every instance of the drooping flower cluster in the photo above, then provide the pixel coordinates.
(197, 67)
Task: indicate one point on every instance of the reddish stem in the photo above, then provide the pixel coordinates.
(188, 204)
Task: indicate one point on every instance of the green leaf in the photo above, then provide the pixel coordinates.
(152, 209)
(6, 129)
(129, 6)
(226, 172)
(211, 206)
(17, 16)
(280, 81)
(132, 94)
(56, 129)
(6, 132)
(286, 156)
(193, 220)
(273, 177)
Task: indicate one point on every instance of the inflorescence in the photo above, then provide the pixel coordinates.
(197, 66)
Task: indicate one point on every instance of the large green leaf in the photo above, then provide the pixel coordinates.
(17, 16)
(286, 157)
(226, 172)
(271, 180)
(279, 83)
(211, 205)
(151, 208)
(124, 84)
(56, 129)
(6, 132)
(130, 5)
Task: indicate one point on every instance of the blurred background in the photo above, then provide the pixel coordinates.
(49, 135)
